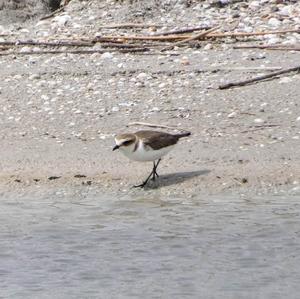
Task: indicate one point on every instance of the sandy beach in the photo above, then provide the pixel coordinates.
(60, 113)
(222, 221)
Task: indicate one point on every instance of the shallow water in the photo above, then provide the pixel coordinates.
(101, 247)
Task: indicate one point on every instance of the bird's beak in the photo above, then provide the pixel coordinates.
(116, 147)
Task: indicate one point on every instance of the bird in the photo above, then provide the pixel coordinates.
(146, 146)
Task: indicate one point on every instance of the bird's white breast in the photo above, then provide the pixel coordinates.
(144, 153)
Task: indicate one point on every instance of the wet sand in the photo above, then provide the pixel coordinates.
(82, 245)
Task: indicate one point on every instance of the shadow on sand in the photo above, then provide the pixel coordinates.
(175, 178)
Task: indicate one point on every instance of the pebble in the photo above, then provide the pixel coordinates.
(61, 20)
(285, 80)
(115, 109)
(273, 40)
(286, 10)
(290, 41)
(94, 56)
(42, 23)
(207, 47)
(155, 109)
(107, 55)
(26, 49)
(142, 76)
(258, 121)
(185, 61)
(34, 77)
(45, 97)
(274, 22)
(232, 114)
(254, 5)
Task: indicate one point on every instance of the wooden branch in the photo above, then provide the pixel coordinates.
(268, 47)
(259, 69)
(261, 127)
(128, 25)
(60, 43)
(155, 126)
(122, 38)
(101, 39)
(117, 45)
(259, 78)
(136, 50)
(184, 30)
(157, 53)
(123, 45)
(182, 37)
(241, 34)
(197, 36)
(266, 126)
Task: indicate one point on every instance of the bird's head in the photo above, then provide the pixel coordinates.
(124, 141)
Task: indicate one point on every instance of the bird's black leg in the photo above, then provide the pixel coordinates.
(156, 167)
(154, 172)
(145, 182)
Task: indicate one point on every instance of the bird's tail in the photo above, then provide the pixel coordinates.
(185, 134)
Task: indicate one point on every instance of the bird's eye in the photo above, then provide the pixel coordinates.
(126, 142)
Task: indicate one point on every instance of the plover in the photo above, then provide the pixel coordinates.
(147, 146)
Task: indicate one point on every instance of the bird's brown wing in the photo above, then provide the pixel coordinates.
(157, 140)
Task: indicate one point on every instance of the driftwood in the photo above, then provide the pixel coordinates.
(177, 37)
(260, 127)
(128, 25)
(136, 50)
(180, 31)
(73, 43)
(245, 34)
(132, 45)
(268, 47)
(196, 36)
(122, 38)
(60, 43)
(259, 78)
(259, 69)
(155, 126)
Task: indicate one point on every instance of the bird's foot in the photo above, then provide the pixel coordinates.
(139, 186)
(142, 185)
